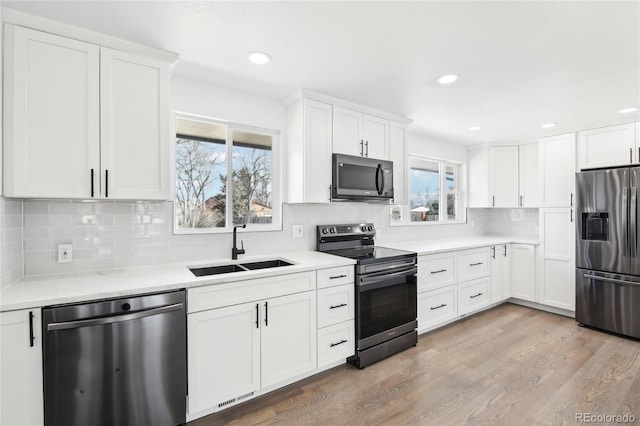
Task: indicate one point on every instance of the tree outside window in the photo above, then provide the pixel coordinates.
(433, 183)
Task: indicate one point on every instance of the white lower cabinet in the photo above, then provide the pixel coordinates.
(21, 391)
(556, 286)
(473, 295)
(235, 351)
(437, 306)
(500, 266)
(336, 307)
(523, 274)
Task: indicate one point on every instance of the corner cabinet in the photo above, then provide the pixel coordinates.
(83, 121)
(21, 387)
(309, 144)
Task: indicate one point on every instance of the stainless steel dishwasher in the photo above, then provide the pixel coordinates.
(116, 362)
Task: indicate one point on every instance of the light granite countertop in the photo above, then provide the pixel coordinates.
(46, 290)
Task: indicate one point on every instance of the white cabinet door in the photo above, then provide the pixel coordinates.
(504, 251)
(376, 137)
(473, 263)
(478, 177)
(436, 271)
(607, 146)
(134, 93)
(398, 154)
(309, 145)
(557, 170)
(51, 141)
(21, 388)
(528, 175)
(288, 337)
(523, 282)
(347, 132)
(473, 295)
(503, 176)
(495, 266)
(437, 306)
(223, 355)
(557, 258)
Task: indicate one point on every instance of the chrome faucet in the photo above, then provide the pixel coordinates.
(234, 250)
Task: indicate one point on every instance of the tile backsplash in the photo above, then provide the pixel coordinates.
(111, 235)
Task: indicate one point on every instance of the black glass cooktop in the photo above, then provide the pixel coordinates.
(371, 254)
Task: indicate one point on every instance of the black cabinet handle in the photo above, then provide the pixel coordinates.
(505, 251)
(361, 147)
(92, 191)
(257, 315)
(630, 155)
(438, 272)
(31, 336)
(337, 306)
(477, 295)
(493, 255)
(335, 277)
(266, 313)
(366, 144)
(475, 264)
(493, 201)
(106, 183)
(339, 343)
(521, 201)
(438, 307)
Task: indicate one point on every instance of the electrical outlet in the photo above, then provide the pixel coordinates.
(64, 253)
(296, 231)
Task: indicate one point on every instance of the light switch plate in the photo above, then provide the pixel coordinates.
(296, 231)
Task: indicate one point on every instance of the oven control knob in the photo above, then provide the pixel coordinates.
(332, 230)
(325, 230)
(363, 228)
(370, 228)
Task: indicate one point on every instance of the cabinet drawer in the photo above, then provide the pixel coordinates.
(436, 271)
(473, 264)
(473, 295)
(335, 304)
(336, 343)
(219, 295)
(335, 276)
(437, 306)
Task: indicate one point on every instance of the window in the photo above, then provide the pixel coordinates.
(225, 174)
(434, 190)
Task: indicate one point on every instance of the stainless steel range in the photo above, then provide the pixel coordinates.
(385, 290)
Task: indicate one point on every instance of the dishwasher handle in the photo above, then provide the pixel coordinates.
(113, 319)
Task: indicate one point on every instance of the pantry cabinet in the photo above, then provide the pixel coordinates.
(309, 145)
(21, 387)
(83, 121)
(608, 146)
(355, 133)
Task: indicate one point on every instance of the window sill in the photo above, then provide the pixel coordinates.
(457, 222)
(249, 228)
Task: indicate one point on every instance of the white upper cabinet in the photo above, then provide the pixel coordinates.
(557, 167)
(398, 155)
(309, 137)
(503, 176)
(528, 175)
(51, 115)
(83, 121)
(478, 177)
(134, 93)
(608, 146)
(355, 133)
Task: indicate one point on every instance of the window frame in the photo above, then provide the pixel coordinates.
(276, 175)
(459, 167)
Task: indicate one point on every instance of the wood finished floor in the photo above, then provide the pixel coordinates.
(507, 366)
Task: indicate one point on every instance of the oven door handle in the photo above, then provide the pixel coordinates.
(372, 283)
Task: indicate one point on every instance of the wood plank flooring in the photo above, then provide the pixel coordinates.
(510, 365)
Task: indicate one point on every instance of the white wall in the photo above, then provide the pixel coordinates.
(421, 145)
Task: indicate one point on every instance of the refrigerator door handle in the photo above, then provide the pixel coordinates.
(625, 214)
(609, 280)
(633, 218)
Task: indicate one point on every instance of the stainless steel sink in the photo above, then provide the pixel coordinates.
(266, 264)
(238, 267)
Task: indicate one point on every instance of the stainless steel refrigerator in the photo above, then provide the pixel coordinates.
(607, 252)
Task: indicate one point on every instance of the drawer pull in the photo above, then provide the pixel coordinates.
(477, 295)
(438, 307)
(339, 343)
(337, 306)
(437, 272)
(475, 264)
(335, 277)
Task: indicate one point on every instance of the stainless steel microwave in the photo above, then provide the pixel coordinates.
(361, 178)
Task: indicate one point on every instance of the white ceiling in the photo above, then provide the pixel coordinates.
(521, 64)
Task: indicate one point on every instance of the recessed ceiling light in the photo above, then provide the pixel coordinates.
(548, 125)
(474, 128)
(447, 79)
(259, 58)
(627, 110)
